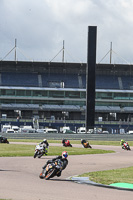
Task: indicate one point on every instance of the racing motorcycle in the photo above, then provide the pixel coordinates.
(126, 146)
(52, 169)
(3, 140)
(40, 151)
(66, 143)
(86, 145)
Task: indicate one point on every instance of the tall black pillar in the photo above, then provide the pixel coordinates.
(90, 77)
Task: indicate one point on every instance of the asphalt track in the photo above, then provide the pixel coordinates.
(19, 177)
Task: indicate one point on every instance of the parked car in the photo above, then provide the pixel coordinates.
(51, 130)
(105, 132)
(10, 131)
(40, 130)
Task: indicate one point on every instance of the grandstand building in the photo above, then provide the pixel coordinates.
(58, 90)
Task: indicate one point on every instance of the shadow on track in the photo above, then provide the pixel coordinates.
(8, 170)
(61, 180)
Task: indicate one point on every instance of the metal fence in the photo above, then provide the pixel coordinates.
(60, 136)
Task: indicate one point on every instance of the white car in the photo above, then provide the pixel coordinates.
(10, 131)
(40, 130)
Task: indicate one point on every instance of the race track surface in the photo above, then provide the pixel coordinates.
(19, 177)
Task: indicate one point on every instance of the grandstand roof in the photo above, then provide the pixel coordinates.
(63, 67)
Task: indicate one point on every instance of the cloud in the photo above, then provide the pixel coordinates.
(41, 26)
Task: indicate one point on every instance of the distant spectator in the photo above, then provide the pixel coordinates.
(18, 118)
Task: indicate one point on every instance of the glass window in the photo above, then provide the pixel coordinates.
(72, 94)
(44, 93)
(56, 94)
(121, 96)
(37, 93)
(83, 95)
(7, 100)
(28, 92)
(103, 95)
(23, 101)
(7, 92)
(20, 92)
(131, 95)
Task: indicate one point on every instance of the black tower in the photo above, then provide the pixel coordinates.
(90, 77)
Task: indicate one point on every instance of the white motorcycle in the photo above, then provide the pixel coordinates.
(40, 150)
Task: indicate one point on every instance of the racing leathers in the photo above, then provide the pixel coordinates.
(63, 160)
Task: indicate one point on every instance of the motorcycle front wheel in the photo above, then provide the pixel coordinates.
(42, 175)
(35, 155)
(50, 174)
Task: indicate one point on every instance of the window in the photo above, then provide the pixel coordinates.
(8, 92)
(121, 96)
(72, 94)
(83, 95)
(56, 94)
(28, 92)
(104, 95)
(37, 93)
(20, 93)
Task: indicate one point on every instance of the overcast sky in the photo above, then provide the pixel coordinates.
(40, 26)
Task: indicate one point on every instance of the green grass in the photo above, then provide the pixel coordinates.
(123, 175)
(11, 150)
(14, 150)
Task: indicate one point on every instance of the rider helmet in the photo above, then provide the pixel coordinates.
(122, 141)
(44, 140)
(64, 154)
(63, 140)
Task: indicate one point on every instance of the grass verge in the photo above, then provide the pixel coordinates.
(16, 150)
(107, 177)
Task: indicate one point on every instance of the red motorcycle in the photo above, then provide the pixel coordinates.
(126, 146)
(66, 143)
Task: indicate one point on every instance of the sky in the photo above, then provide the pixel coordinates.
(41, 26)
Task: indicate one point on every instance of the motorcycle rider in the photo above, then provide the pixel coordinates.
(83, 142)
(122, 143)
(65, 142)
(45, 145)
(62, 158)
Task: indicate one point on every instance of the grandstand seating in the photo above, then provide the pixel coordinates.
(104, 82)
(107, 82)
(19, 79)
(69, 80)
(127, 82)
(72, 81)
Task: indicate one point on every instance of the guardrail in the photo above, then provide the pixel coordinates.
(65, 121)
(59, 136)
